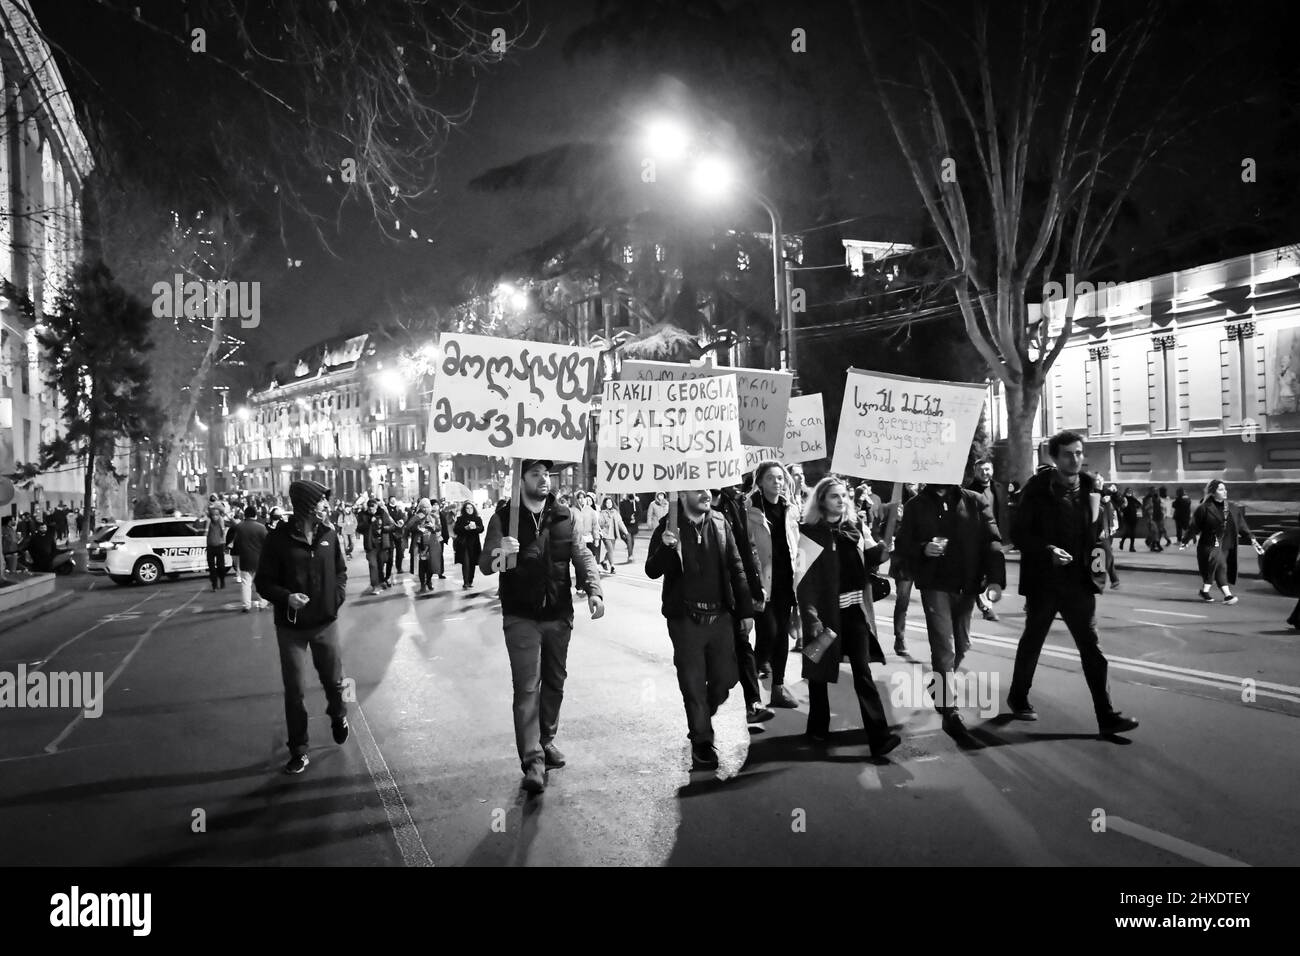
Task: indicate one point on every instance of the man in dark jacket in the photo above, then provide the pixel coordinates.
(1062, 570)
(731, 505)
(953, 550)
(704, 589)
(375, 526)
(304, 575)
(627, 510)
(982, 483)
(537, 611)
(246, 549)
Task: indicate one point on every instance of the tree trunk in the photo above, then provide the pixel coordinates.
(1022, 410)
(88, 523)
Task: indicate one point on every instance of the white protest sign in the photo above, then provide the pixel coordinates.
(805, 429)
(669, 436)
(755, 455)
(511, 398)
(894, 428)
(764, 394)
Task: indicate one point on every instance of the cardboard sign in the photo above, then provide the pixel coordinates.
(756, 455)
(894, 428)
(805, 429)
(669, 436)
(510, 398)
(764, 395)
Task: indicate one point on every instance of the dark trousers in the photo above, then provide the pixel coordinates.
(375, 560)
(321, 644)
(217, 565)
(631, 540)
(947, 622)
(1183, 527)
(705, 658)
(391, 555)
(467, 570)
(857, 649)
(772, 646)
(1110, 560)
(1078, 609)
(902, 598)
(746, 666)
(426, 572)
(539, 653)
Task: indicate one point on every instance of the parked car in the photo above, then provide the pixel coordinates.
(1277, 561)
(144, 549)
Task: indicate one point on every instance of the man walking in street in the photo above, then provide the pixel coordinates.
(953, 549)
(982, 484)
(1062, 572)
(1182, 508)
(704, 589)
(218, 526)
(374, 525)
(627, 510)
(250, 538)
(776, 540)
(304, 575)
(730, 503)
(537, 611)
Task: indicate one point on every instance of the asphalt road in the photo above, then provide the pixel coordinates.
(184, 765)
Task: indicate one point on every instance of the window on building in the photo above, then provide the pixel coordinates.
(629, 255)
(1162, 375)
(742, 260)
(1241, 360)
(659, 253)
(1100, 414)
(25, 374)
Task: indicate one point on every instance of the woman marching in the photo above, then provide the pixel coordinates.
(835, 605)
(611, 529)
(467, 543)
(1218, 525)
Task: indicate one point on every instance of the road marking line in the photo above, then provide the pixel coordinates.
(409, 842)
(100, 623)
(53, 745)
(1151, 610)
(1189, 851)
(1172, 627)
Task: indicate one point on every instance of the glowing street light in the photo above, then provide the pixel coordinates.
(713, 177)
(512, 296)
(392, 381)
(243, 413)
(666, 138)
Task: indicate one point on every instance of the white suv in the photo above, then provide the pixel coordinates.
(145, 549)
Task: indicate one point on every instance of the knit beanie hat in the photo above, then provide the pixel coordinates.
(304, 494)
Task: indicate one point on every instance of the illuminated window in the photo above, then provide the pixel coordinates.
(742, 260)
(628, 256)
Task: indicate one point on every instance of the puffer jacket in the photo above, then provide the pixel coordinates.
(539, 586)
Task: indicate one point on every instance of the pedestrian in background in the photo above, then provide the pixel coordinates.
(374, 526)
(610, 528)
(246, 553)
(468, 547)
(1057, 528)
(835, 602)
(731, 505)
(348, 530)
(704, 589)
(982, 483)
(585, 528)
(1154, 513)
(1182, 508)
(218, 526)
(657, 510)
(1110, 523)
(426, 536)
(1218, 526)
(1164, 517)
(627, 509)
(898, 569)
(1129, 511)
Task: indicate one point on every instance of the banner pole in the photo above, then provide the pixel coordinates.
(516, 504)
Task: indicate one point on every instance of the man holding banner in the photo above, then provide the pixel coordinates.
(537, 612)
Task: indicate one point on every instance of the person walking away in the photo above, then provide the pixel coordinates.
(348, 530)
(834, 597)
(776, 539)
(304, 575)
(704, 588)
(1057, 528)
(627, 511)
(982, 483)
(217, 527)
(468, 547)
(1129, 513)
(1218, 526)
(952, 545)
(1182, 508)
(610, 528)
(898, 569)
(246, 552)
(537, 611)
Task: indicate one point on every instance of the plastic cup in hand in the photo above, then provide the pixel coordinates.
(993, 594)
(942, 543)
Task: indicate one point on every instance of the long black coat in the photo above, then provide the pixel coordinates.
(1041, 524)
(1219, 529)
(468, 546)
(817, 590)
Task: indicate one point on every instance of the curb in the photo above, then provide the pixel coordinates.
(34, 610)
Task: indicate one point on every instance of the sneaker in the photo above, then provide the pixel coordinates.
(1207, 597)
(990, 614)
(1114, 585)
(1116, 723)
(297, 764)
(953, 723)
(341, 729)
(554, 758)
(1022, 711)
(782, 698)
(535, 778)
(703, 757)
(756, 714)
(885, 745)
(900, 646)
(1230, 599)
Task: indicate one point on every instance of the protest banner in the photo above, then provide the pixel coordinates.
(764, 395)
(755, 455)
(894, 428)
(805, 429)
(669, 436)
(511, 398)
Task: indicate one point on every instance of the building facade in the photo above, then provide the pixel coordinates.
(44, 161)
(1185, 377)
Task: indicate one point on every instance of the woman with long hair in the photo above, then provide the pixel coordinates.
(1219, 525)
(835, 606)
(611, 528)
(466, 544)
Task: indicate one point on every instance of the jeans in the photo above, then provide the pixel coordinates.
(246, 588)
(772, 646)
(1078, 609)
(375, 559)
(902, 598)
(746, 666)
(854, 634)
(1110, 560)
(947, 621)
(539, 651)
(426, 572)
(348, 543)
(705, 658)
(389, 557)
(217, 565)
(322, 644)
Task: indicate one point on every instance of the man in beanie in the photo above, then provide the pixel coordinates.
(537, 611)
(305, 577)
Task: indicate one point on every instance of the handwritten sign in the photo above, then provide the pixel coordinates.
(764, 395)
(510, 398)
(805, 429)
(669, 436)
(755, 455)
(894, 428)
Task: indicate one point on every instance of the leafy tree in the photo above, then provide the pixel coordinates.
(95, 345)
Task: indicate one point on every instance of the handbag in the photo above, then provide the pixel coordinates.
(880, 586)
